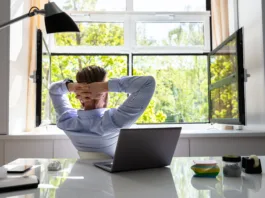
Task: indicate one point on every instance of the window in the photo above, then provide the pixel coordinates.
(45, 98)
(225, 103)
(92, 5)
(181, 87)
(169, 34)
(167, 39)
(66, 66)
(227, 81)
(169, 5)
(93, 34)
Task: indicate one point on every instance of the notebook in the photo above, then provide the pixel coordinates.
(14, 183)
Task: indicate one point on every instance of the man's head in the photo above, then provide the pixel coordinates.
(93, 74)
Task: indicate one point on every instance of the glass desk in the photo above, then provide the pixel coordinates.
(79, 178)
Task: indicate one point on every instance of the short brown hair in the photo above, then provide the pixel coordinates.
(91, 74)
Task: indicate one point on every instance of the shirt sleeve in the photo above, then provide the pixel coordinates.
(58, 93)
(141, 90)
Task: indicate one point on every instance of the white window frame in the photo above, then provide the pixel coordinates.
(129, 20)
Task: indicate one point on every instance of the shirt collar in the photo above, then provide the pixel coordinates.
(91, 113)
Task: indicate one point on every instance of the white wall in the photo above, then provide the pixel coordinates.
(233, 15)
(4, 67)
(250, 17)
(61, 147)
(19, 61)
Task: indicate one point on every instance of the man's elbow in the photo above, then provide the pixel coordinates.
(151, 82)
(52, 87)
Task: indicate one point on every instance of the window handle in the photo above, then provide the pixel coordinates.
(246, 75)
(33, 77)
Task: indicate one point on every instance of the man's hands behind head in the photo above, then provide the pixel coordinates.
(86, 92)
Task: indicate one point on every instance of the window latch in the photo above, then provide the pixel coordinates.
(33, 77)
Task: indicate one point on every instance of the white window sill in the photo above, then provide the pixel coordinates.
(188, 131)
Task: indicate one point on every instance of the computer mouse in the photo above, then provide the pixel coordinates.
(54, 166)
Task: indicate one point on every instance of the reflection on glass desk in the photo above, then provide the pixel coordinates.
(79, 178)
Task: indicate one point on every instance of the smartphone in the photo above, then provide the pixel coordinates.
(17, 168)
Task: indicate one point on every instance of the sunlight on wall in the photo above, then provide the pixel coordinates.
(16, 32)
(19, 60)
(16, 87)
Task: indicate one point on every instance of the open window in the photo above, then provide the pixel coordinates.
(226, 81)
(42, 79)
(129, 39)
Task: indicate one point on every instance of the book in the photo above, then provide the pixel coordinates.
(14, 183)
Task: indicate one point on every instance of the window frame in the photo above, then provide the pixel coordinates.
(129, 18)
(130, 71)
(42, 49)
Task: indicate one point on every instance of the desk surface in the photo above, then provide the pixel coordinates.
(79, 178)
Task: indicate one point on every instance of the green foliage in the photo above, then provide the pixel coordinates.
(179, 34)
(45, 83)
(57, 182)
(222, 67)
(187, 34)
(181, 92)
(80, 5)
(67, 67)
(224, 100)
(95, 34)
(151, 115)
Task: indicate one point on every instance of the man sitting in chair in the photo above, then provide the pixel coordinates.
(94, 130)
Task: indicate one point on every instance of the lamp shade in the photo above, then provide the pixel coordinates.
(58, 21)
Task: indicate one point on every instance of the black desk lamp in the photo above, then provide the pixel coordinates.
(55, 19)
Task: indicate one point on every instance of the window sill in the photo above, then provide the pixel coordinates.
(221, 133)
(204, 131)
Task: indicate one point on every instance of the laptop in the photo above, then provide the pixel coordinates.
(142, 148)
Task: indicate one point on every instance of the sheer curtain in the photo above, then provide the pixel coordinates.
(220, 22)
(35, 22)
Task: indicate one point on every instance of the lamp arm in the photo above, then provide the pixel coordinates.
(30, 14)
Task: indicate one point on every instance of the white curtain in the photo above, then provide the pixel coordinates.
(220, 22)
